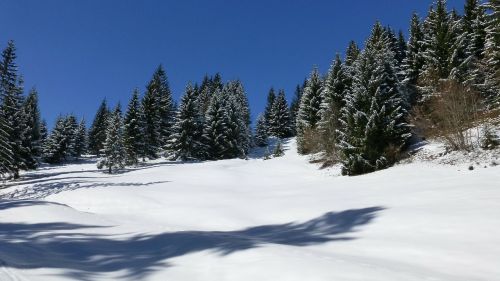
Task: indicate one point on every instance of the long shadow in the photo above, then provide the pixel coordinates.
(86, 256)
(44, 189)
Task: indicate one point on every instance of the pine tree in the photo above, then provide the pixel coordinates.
(414, 62)
(332, 103)
(114, 152)
(5, 150)
(309, 113)
(165, 106)
(491, 59)
(294, 107)
(133, 138)
(97, 132)
(438, 46)
(260, 137)
(280, 117)
(56, 145)
(241, 114)
(80, 146)
(71, 134)
(44, 134)
(268, 111)
(12, 111)
(186, 142)
(215, 132)
(237, 135)
(32, 114)
(373, 120)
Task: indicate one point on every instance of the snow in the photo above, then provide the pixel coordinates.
(277, 219)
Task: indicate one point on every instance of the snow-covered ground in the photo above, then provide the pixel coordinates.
(279, 219)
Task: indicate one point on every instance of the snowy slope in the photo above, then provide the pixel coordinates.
(280, 219)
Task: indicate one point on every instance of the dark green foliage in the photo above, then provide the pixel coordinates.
(97, 131)
(114, 152)
(280, 117)
(186, 142)
(33, 137)
(133, 138)
(260, 137)
(373, 119)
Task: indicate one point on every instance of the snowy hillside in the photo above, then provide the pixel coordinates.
(279, 219)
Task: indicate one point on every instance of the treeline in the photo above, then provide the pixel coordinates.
(362, 113)
(366, 108)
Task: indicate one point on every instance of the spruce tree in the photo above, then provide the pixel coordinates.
(166, 106)
(71, 133)
(186, 142)
(491, 59)
(12, 111)
(414, 62)
(114, 152)
(5, 150)
(280, 117)
(32, 115)
(56, 145)
(80, 146)
(241, 108)
(309, 114)
(133, 138)
(215, 131)
(373, 119)
(260, 137)
(294, 106)
(333, 94)
(271, 96)
(97, 131)
(44, 134)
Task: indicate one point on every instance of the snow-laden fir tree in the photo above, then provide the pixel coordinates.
(373, 119)
(438, 46)
(5, 151)
(33, 123)
(114, 152)
(280, 117)
(413, 63)
(309, 114)
(208, 87)
(239, 102)
(166, 105)
(491, 59)
(294, 106)
(71, 133)
(186, 142)
(80, 146)
(12, 112)
(333, 94)
(55, 148)
(271, 96)
(44, 134)
(260, 136)
(133, 138)
(97, 131)
(237, 135)
(215, 131)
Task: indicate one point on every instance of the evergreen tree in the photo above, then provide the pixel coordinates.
(268, 111)
(260, 137)
(165, 106)
(491, 59)
(309, 113)
(280, 117)
(241, 108)
(5, 150)
(215, 132)
(133, 138)
(114, 151)
(414, 62)
(186, 142)
(32, 114)
(71, 134)
(80, 146)
(438, 46)
(294, 106)
(55, 149)
(44, 134)
(97, 132)
(373, 120)
(332, 103)
(12, 111)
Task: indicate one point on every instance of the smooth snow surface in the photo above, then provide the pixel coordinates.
(238, 220)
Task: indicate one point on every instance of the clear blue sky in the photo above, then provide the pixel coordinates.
(78, 52)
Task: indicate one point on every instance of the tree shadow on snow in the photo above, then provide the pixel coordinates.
(84, 256)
